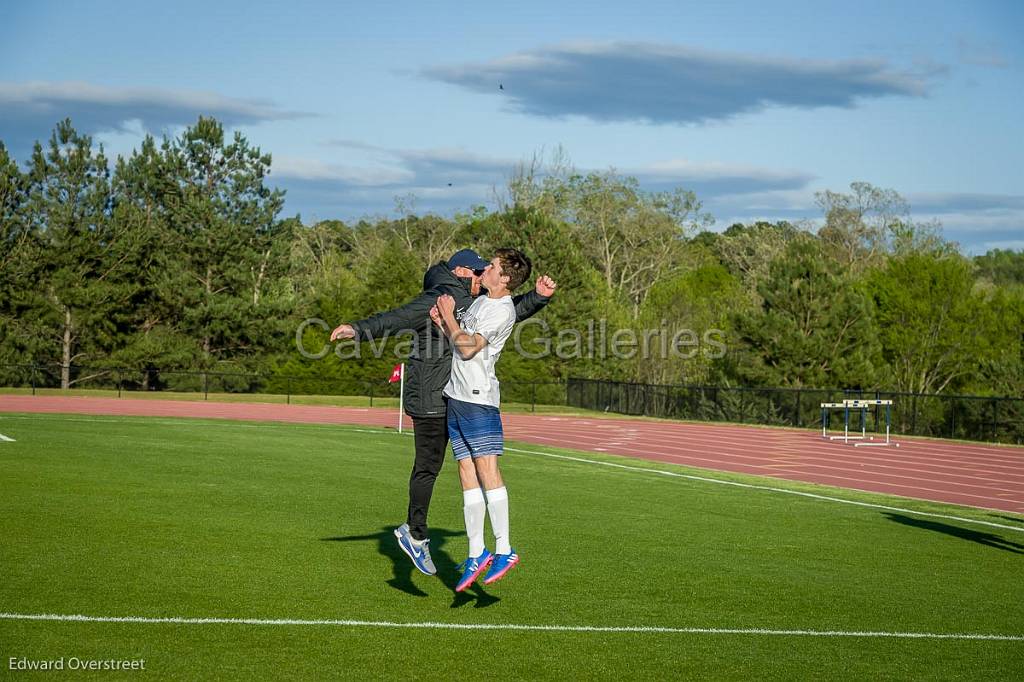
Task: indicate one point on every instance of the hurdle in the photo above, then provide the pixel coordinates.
(863, 406)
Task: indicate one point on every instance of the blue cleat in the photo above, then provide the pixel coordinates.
(502, 564)
(472, 568)
(418, 551)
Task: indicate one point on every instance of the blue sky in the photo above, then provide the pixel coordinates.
(755, 106)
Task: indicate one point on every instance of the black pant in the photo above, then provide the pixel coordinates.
(431, 435)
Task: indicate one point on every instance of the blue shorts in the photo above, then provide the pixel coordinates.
(474, 430)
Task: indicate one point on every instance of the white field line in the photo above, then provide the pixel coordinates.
(643, 629)
(5, 439)
(705, 479)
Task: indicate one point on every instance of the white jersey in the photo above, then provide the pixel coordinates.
(473, 380)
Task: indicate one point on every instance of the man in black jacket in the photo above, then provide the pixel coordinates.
(428, 370)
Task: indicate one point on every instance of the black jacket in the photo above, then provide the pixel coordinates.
(430, 360)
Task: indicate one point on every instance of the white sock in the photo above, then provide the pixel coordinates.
(473, 508)
(497, 509)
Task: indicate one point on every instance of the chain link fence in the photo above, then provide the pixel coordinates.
(979, 418)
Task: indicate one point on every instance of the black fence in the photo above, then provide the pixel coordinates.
(127, 382)
(944, 416)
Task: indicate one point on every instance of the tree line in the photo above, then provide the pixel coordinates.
(179, 256)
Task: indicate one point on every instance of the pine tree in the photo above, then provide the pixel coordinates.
(15, 265)
(148, 330)
(814, 327)
(232, 248)
(77, 256)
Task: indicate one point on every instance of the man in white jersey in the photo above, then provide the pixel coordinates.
(474, 420)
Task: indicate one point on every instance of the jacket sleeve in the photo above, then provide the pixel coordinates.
(529, 304)
(414, 316)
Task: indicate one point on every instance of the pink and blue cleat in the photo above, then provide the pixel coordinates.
(472, 568)
(502, 564)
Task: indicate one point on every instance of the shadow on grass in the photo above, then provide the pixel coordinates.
(982, 538)
(1007, 518)
(402, 567)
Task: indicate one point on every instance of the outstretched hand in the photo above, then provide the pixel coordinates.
(546, 286)
(343, 331)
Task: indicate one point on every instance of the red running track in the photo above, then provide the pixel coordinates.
(976, 475)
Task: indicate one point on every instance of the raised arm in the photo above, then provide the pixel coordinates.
(413, 316)
(532, 302)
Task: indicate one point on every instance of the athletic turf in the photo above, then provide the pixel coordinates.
(211, 519)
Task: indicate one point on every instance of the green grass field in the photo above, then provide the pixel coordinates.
(119, 516)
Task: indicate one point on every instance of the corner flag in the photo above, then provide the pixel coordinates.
(396, 374)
